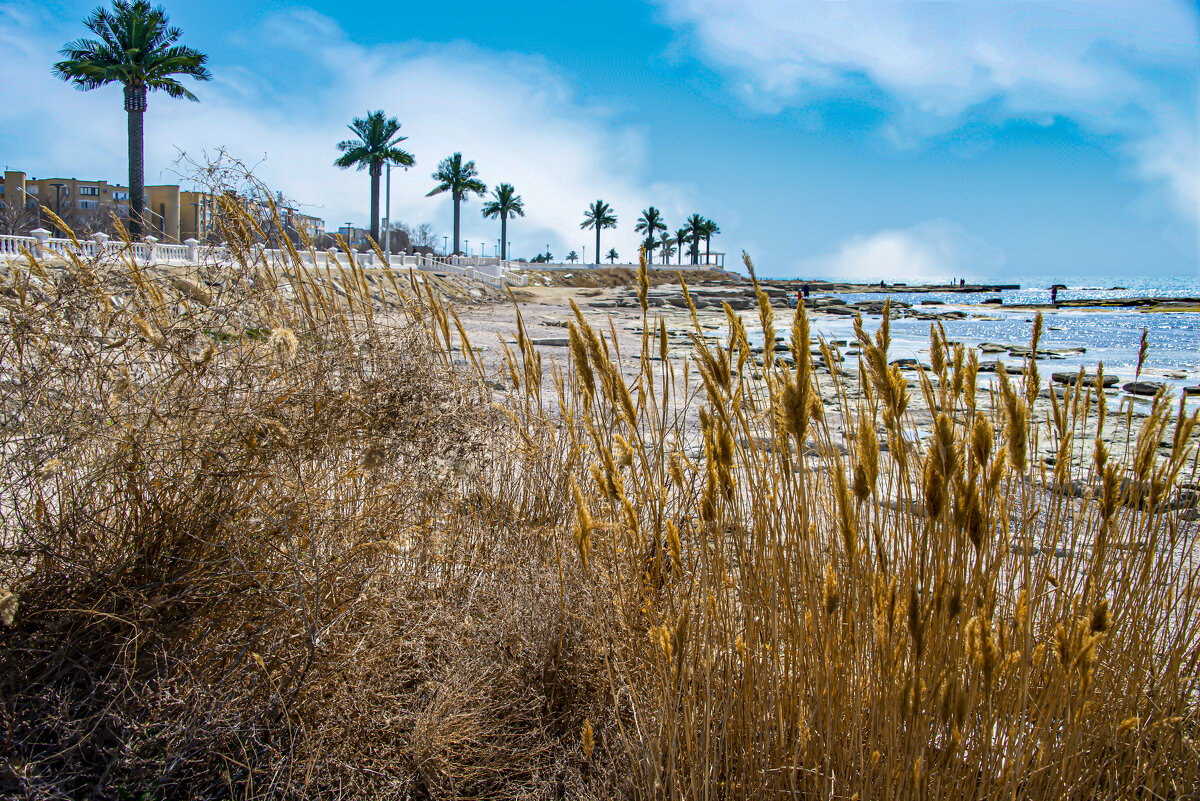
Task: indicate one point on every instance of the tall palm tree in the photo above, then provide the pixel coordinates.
(505, 203)
(695, 229)
(611, 255)
(681, 237)
(137, 48)
(572, 257)
(375, 146)
(461, 181)
(666, 243)
(650, 223)
(711, 229)
(599, 216)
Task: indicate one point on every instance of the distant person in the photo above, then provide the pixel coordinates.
(799, 298)
(881, 285)
(962, 282)
(807, 290)
(1054, 295)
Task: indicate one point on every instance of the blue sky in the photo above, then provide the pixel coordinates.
(993, 139)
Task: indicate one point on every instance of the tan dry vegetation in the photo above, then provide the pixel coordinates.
(265, 538)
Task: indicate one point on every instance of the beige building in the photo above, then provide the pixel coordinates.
(173, 214)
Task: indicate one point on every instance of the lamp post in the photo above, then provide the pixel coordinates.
(445, 244)
(58, 200)
(196, 214)
(387, 217)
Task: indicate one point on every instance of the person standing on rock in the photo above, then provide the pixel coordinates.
(1054, 295)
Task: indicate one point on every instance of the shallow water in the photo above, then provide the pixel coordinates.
(1110, 336)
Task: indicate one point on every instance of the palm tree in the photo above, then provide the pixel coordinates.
(611, 255)
(599, 216)
(695, 229)
(375, 146)
(650, 223)
(460, 180)
(667, 243)
(681, 237)
(648, 245)
(572, 257)
(137, 48)
(505, 202)
(711, 229)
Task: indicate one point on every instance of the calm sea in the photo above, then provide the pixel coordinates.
(1110, 336)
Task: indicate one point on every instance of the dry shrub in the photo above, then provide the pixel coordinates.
(253, 548)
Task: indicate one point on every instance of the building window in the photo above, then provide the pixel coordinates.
(120, 196)
(89, 190)
(88, 204)
(31, 189)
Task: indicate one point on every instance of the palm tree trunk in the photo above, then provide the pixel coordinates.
(597, 245)
(376, 169)
(135, 108)
(456, 202)
(707, 250)
(503, 237)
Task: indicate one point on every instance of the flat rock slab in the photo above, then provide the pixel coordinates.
(990, 367)
(1143, 387)
(1089, 379)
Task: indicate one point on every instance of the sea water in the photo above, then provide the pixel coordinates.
(1109, 336)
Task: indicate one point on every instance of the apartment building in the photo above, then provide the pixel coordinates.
(173, 215)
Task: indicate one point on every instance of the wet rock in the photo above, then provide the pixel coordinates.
(990, 367)
(824, 303)
(1089, 379)
(993, 347)
(1146, 388)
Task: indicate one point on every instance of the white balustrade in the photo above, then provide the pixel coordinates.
(41, 244)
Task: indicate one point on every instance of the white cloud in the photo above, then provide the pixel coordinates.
(513, 115)
(1129, 68)
(935, 251)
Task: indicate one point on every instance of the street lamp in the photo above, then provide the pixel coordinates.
(387, 217)
(445, 244)
(196, 213)
(58, 200)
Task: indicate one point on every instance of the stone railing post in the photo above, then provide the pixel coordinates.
(151, 249)
(101, 239)
(193, 250)
(42, 247)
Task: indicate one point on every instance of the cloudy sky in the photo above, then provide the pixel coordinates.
(992, 139)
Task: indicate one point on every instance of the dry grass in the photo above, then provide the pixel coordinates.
(268, 539)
